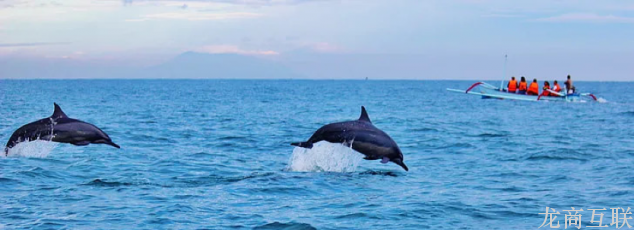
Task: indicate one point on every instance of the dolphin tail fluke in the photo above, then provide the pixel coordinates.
(307, 145)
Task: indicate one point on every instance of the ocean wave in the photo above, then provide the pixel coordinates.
(9, 181)
(506, 214)
(149, 138)
(216, 179)
(628, 113)
(466, 209)
(279, 190)
(38, 172)
(537, 157)
(560, 178)
(233, 138)
(619, 193)
(425, 129)
(380, 173)
(357, 215)
(512, 175)
(285, 226)
(461, 145)
(492, 135)
(105, 183)
(504, 189)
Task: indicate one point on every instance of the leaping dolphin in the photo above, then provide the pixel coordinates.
(362, 136)
(59, 128)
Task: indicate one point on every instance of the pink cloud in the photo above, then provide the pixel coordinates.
(324, 47)
(196, 16)
(218, 49)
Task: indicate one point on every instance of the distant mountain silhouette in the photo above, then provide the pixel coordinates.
(303, 64)
(185, 65)
(204, 65)
(23, 68)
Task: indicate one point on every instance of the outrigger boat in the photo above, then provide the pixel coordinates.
(489, 91)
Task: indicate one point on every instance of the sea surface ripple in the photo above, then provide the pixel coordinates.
(215, 154)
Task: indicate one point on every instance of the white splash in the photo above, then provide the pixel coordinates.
(324, 157)
(601, 100)
(37, 148)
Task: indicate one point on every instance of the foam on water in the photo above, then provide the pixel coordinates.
(324, 157)
(601, 100)
(37, 148)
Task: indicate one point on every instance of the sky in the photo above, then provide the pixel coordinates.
(385, 39)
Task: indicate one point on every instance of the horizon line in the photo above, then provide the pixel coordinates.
(288, 79)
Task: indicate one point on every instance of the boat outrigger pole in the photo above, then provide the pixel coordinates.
(484, 84)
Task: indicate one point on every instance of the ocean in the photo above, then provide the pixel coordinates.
(216, 154)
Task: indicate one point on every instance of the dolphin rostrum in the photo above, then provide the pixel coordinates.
(59, 128)
(362, 136)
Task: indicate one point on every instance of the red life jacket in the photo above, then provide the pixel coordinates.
(545, 92)
(523, 86)
(533, 89)
(512, 86)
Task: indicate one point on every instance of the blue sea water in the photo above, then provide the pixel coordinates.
(215, 154)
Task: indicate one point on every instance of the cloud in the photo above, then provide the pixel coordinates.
(32, 44)
(539, 8)
(324, 47)
(297, 44)
(197, 16)
(235, 2)
(231, 49)
(52, 4)
(587, 17)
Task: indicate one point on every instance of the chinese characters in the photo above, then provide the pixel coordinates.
(572, 218)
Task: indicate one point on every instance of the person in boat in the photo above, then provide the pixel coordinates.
(512, 86)
(545, 89)
(522, 86)
(555, 88)
(533, 89)
(569, 86)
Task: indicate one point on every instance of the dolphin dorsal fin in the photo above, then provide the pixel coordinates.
(364, 115)
(58, 113)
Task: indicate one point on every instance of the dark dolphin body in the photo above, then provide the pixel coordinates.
(363, 136)
(59, 128)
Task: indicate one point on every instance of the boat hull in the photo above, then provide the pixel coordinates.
(488, 93)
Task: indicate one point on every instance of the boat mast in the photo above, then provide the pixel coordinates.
(505, 59)
(502, 82)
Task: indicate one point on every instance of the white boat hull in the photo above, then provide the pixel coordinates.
(487, 91)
